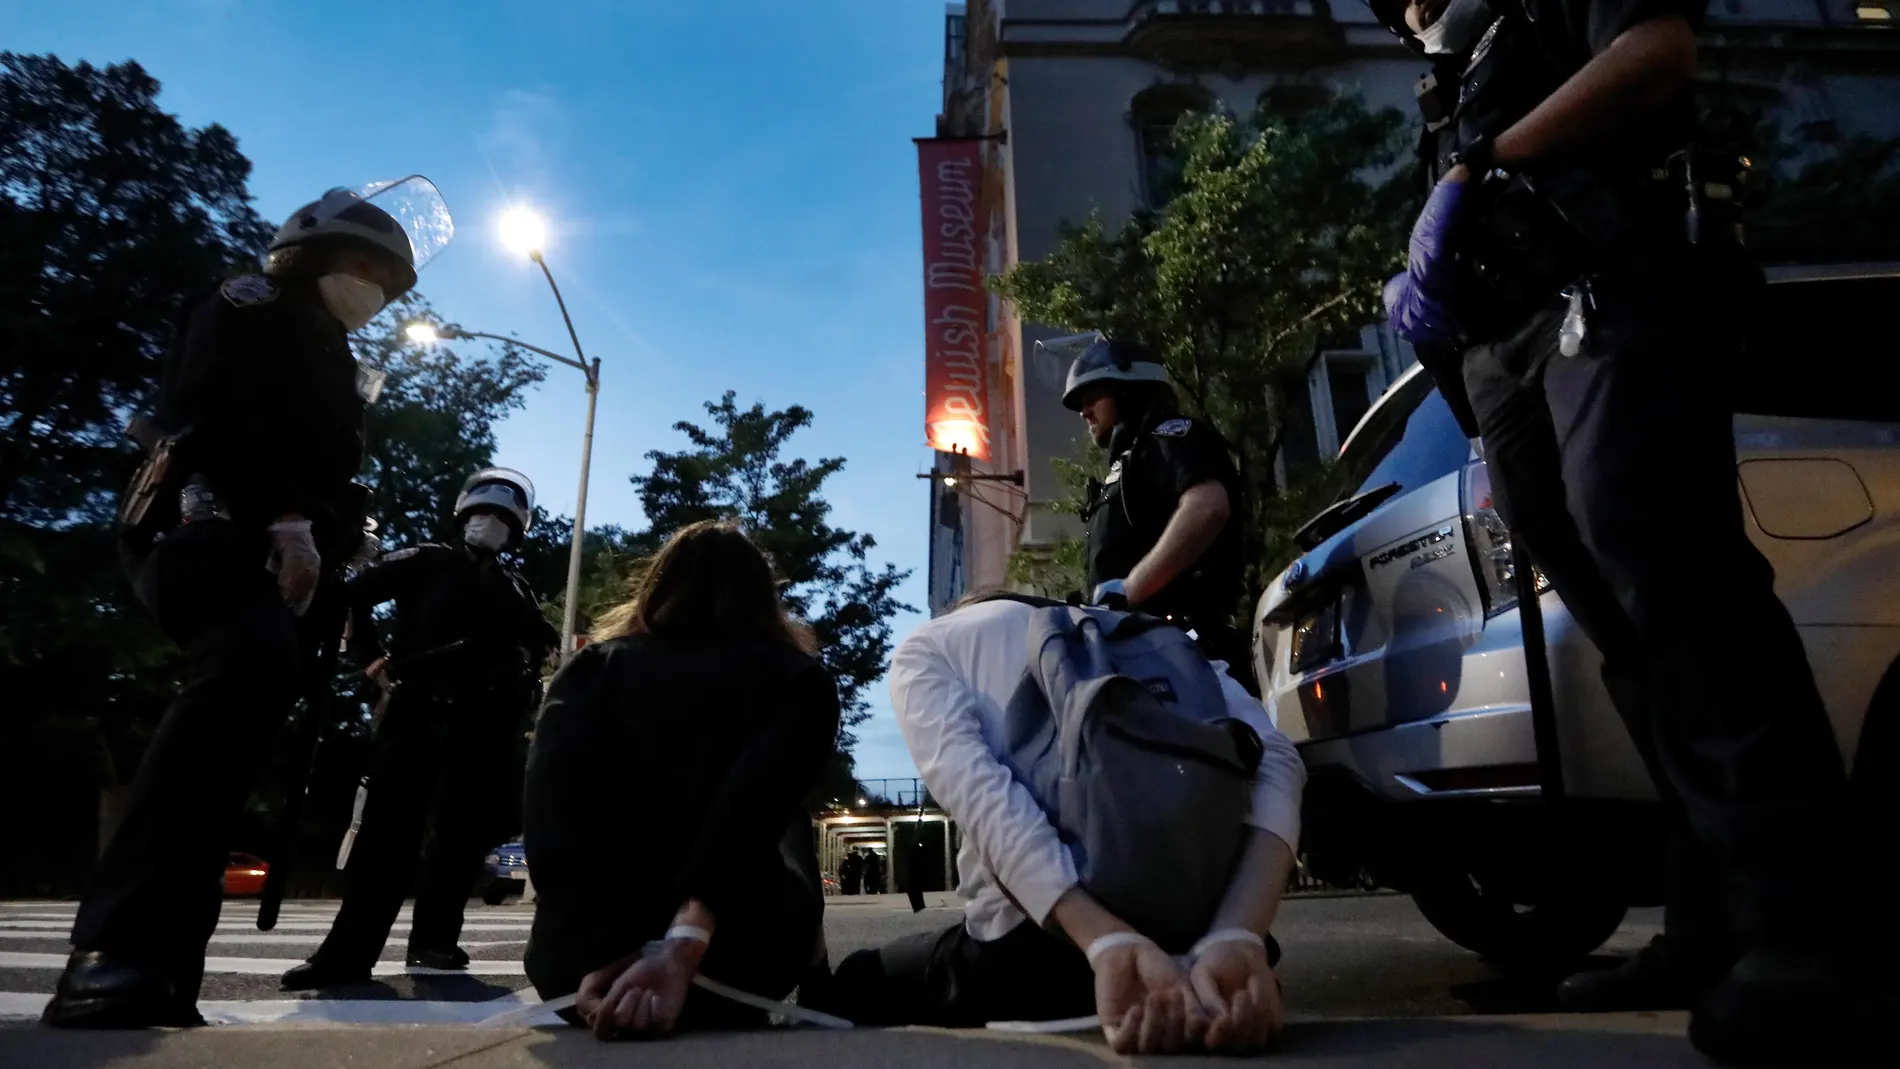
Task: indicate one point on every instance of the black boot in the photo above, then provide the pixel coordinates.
(1792, 1009)
(438, 957)
(1658, 977)
(98, 990)
(314, 975)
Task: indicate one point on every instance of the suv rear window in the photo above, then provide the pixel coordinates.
(1416, 418)
(1818, 350)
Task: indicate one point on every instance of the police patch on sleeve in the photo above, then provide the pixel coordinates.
(1174, 428)
(247, 290)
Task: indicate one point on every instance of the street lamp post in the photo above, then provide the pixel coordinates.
(524, 231)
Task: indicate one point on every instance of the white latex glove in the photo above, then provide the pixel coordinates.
(294, 558)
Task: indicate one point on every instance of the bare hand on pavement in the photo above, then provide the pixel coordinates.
(1146, 1002)
(1237, 987)
(641, 993)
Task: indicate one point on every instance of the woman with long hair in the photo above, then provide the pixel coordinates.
(664, 797)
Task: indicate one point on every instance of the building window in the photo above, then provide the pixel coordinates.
(953, 42)
(1292, 100)
(1155, 113)
(1341, 387)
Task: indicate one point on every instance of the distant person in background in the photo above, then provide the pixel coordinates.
(663, 807)
(873, 873)
(851, 872)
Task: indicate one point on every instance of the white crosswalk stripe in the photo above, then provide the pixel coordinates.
(240, 954)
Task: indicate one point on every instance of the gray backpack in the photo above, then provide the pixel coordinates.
(1120, 731)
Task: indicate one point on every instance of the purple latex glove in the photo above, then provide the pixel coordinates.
(1417, 301)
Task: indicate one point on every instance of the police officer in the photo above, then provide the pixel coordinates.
(1573, 291)
(1161, 530)
(244, 511)
(464, 663)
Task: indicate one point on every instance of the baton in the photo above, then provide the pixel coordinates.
(376, 719)
(356, 824)
(332, 608)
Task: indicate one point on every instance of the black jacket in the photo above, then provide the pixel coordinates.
(448, 594)
(1154, 461)
(664, 770)
(262, 376)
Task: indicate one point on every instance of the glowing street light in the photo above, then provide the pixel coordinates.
(523, 231)
(422, 333)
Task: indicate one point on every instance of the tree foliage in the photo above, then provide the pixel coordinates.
(735, 470)
(112, 215)
(1281, 232)
(434, 424)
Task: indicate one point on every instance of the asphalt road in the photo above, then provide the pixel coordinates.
(1368, 983)
(1345, 957)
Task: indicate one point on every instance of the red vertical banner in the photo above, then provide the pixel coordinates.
(956, 380)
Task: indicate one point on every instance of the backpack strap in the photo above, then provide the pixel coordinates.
(1011, 595)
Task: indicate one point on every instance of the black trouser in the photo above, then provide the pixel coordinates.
(156, 893)
(433, 756)
(951, 979)
(1617, 470)
(772, 942)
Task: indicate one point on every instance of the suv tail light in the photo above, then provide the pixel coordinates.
(1490, 542)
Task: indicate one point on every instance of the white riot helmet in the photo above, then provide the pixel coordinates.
(502, 491)
(406, 220)
(1107, 360)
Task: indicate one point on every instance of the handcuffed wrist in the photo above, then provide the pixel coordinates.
(1228, 935)
(1105, 943)
(691, 932)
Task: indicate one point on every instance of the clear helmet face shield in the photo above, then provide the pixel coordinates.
(418, 207)
(369, 381)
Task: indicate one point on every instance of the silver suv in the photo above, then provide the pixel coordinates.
(1491, 778)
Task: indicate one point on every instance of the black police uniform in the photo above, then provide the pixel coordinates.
(447, 736)
(1616, 469)
(262, 377)
(1154, 461)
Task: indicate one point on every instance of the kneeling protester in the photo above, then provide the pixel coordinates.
(1129, 816)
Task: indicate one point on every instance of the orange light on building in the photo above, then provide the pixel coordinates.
(960, 436)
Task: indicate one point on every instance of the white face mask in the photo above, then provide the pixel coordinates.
(1457, 27)
(353, 301)
(485, 532)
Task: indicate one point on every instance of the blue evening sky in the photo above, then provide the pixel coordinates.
(731, 184)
